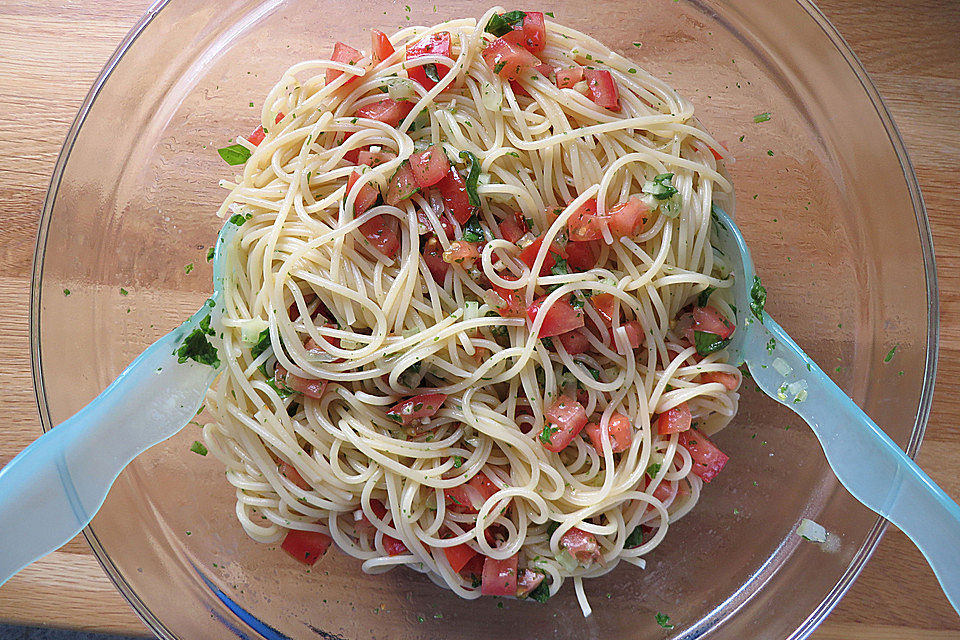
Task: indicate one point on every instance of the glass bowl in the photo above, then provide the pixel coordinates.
(827, 200)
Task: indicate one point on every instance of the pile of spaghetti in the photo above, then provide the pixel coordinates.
(473, 322)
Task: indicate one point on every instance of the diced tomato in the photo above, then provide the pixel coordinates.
(416, 408)
(433, 256)
(534, 32)
(500, 576)
(365, 198)
(583, 256)
(382, 233)
(508, 60)
(712, 321)
(512, 230)
(628, 218)
(635, 334)
(684, 327)
(353, 156)
(565, 419)
(380, 46)
(307, 386)
(394, 547)
(361, 522)
(259, 134)
(603, 90)
(574, 342)
(726, 379)
(461, 500)
(581, 545)
(561, 317)
(512, 306)
(374, 158)
(529, 255)
(518, 89)
(674, 420)
(403, 184)
(346, 54)
(306, 546)
(708, 460)
(585, 224)
(427, 228)
(619, 429)
(529, 580)
(459, 556)
(665, 491)
(461, 252)
(604, 304)
(429, 166)
(474, 567)
(453, 190)
(387, 111)
(567, 78)
(290, 472)
(436, 44)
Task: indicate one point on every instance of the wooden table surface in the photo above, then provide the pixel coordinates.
(50, 53)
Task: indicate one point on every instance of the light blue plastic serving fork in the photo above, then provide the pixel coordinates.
(54, 487)
(866, 461)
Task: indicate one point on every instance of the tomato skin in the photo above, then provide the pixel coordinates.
(394, 547)
(453, 191)
(361, 523)
(604, 304)
(529, 580)
(382, 233)
(380, 46)
(306, 546)
(581, 545)
(426, 227)
(307, 386)
(708, 460)
(728, 380)
(259, 134)
(416, 408)
(500, 576)
(584, 223)
(436, 44)
(619, 429)
(461, 252)
(374, 158)
(712, 321)
(403, 184)
(459, 556)
(511, 230)
(561, 317)
(603, 89)
(429, 166)
(290, 472)
(507, 59)
(565, 419)
(433, 256)
(343, 53)
(529, 255)
(567, 78)
(474, 567)
(531, 33)
(513, 306)
(628, 218)
(675, 420)
(583, 256)
(365, 198)
(387, 111)
(574, 342)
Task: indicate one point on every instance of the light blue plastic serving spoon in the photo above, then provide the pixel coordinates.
(866, 461)
(54, 487)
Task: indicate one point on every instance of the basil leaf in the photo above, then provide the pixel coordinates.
(542, 593)
(472, 178)
(431, 71)
(635, 539)
(758, 298)
(234, 154)
(704, 296)
(553, 526)
(708, 342)
(472, 231)
(660, 187)
(282, 390)
(501, 25)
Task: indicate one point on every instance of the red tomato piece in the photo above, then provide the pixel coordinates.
(574, 342)
(394, 547)
(584, 223)
(529, 255)
(581, 545)
(459, 556)
(665, 491)
(534, 32)
(603, 89)
(528, 581)
(290, 472)
(565, 419)
(561, 317)
(453, 191)
(374, 158)
(307, 386)
(708, 460)
(518, 89)
(365, 198)
(474, 567)
(433, 256)
(387, 111)
(382, 232)
(306, 546)
(403, 184)
(508, 60)
(635, 334)
(259, 134)
(583, 256)
(726, 379)
(567, 78)
(436, 44)
(712, 321)
(416, 408)
(380, 46)
(461, 252)
(429, 166)
(499, 576)
(619, 430)
(513, 306)
(674, 420)
(361, 522)
(463, 500)
(604, 304)
(628, 218)
(346, 54)
(511, 230)
(426, 227)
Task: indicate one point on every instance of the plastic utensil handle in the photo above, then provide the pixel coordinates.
(868, 463)
(53, 488)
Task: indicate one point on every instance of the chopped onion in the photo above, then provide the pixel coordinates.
(782, 367)
(490, 96)
(400, 89)
(566, 560)
(795, 388)
(250, 330)
(471, 310)
(811, 531)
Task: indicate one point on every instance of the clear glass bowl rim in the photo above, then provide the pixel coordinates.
(831, 600)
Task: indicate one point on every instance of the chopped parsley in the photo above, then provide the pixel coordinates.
(210, 253)
(771, 345)
(66, 292)
(660, 187)
(502, 24)
(457, 462)
(595, 373)
(472, 231)
(653, 469)
(769, 152)
(762, 117)
(758, 298)
(187, 268)
(234, 154)
(282, 390)
(553, 526)
(708, 342)
(549, 13)
(472, 178)
(238, 218)
(197, 447)
(664, 620)
(541, 594)
(497, 68)
(197, 347)
(560, 267)
(124, 292)
(890, 354)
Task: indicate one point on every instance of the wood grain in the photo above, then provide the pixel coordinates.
(50, 53)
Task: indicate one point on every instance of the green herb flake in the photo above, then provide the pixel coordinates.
(472, 177)
(890, 354)
(664, 621)
(542, 593)
(457, 462)
(197, 347)
(660, 187)
(708, 343)
(235, 154)
(187, 268)
(430, 70)
(704, 296)
(124, 292)
(638, 44)
(497, 68)
(502, 24)
(197, 447)
(769, 152)
(631, 70)
(762, 117)
(66, 292)
(210, 253)
(547, 433)
(771, 345)
(653, 469)
(758, 298)
(473, 231)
